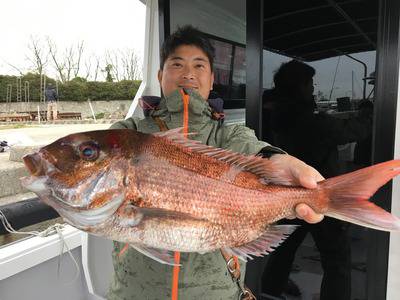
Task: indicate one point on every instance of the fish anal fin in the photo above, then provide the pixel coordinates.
(160, 255)
(264, 244)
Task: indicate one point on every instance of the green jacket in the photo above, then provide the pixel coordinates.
(201, 276)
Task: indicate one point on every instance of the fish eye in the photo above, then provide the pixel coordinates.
(89, 151)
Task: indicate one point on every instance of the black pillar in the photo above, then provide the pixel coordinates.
(163, 20)
(254, 64)
(384, 137)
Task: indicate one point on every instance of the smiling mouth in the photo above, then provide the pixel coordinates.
(184, 86)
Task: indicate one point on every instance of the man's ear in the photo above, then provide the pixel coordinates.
(159, 76)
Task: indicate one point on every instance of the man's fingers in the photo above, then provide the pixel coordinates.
(306, 175)
(306, 213)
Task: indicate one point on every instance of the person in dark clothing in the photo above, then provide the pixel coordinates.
(291, 122)
(362, 150)
(51, 100)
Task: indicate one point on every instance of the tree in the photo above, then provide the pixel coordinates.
(131, 65)
(38, 56)
(108, 70)
(125, 64)
(68, 66)
(112, 60)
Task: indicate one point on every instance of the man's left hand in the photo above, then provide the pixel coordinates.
(304, 175)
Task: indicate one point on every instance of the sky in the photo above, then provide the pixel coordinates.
(348, 79)
(119, 25)
(101, 24)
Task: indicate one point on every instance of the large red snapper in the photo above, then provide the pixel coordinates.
(162, 193)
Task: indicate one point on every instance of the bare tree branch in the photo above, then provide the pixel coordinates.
(77, 60)
(113, 60)
(58, 65)
(15, 67)
(97, 68)
(131, 64)
(38, 56)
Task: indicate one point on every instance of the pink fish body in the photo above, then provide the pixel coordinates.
(162, 193)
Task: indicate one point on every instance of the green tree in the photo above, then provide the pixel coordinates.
(108, 69)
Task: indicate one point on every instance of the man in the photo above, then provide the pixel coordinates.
(293, 125)
(186, 63)
(51, 99)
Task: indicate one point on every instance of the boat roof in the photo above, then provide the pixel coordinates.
(313, 29)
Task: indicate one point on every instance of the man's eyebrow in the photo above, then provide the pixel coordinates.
(180, 58)
(175, 58)
(201, 59)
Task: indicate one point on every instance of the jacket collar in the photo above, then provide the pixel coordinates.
(172, 106)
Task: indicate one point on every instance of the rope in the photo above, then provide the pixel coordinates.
(56, 228)
(177, 255)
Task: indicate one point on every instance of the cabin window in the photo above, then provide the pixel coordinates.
(307, 119)
(229, 71)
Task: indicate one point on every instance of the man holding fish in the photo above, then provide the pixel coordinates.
(165, 191)
(187, 63)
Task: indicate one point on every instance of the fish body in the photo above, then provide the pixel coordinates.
(163, 192)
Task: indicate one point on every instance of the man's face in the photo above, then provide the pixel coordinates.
(187, 67)
(307, 90)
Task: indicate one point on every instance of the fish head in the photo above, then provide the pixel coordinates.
(82, 173)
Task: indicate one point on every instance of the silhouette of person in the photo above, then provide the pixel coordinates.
(291, 122)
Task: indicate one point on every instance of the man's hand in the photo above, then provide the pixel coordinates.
(304, 175)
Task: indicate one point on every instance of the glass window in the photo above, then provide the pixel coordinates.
(326, 120)
(229, 72)
(222, 67)
(239, 74)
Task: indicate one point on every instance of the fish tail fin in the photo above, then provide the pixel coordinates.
(349, 193)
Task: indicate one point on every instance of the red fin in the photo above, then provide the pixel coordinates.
(264, 244)
(348, 196)
(267, 170)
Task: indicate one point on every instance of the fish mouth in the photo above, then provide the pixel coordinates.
(34, 163)
(91, 217)
(78, 216)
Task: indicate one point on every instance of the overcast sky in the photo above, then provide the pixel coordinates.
(119, 25)
(101, 24)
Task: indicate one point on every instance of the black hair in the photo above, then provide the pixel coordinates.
(292, 75)
(187, 35)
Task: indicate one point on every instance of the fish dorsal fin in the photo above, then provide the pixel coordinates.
(265, 244)
(269, 171)
(160, 255)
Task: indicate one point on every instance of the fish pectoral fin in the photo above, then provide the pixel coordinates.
(160, 255)
(265, 244)
(133, 215)
(165, 213)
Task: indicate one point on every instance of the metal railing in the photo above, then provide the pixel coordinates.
(25, 213)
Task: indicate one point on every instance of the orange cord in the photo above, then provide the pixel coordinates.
(123, 250)
(236, 260)
(177, 254)
(185, 99)
(175, 276)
